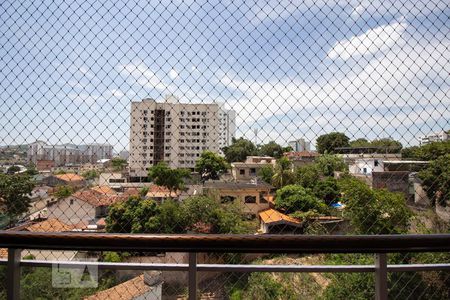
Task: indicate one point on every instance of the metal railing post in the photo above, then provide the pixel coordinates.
(13, 274)
(381, 288)
(192, 275)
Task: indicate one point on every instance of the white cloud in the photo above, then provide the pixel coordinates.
(397, 79)
(141, 74)
(173, 74)
(117, 93)
(374, 40)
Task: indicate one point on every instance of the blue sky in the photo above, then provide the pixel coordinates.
(291, 69)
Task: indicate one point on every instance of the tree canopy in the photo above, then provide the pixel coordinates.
(374, 211)
(293, 198)
(173, 179)
(307, 176)
(210, 165)
(118, 164)
(196, 213)
(271, 149)
(327, 164)
(328, 142)
(14, 194)
(283, 173)
(429, 151)
(436, 180)
(239, 150)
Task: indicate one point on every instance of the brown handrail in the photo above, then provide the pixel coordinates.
(227, 243)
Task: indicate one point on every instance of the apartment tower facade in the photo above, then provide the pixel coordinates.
(173, 132)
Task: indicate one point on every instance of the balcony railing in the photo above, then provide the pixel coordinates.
(380, 245)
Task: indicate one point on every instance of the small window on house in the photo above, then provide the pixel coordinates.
(250, 199)
(227, 199)
(71, 201)
(365, 170)
(376, 163)
(252, 171)
(242, 172)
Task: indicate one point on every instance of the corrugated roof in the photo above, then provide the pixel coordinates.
(69, 177)
(127, 290)
(271, 216)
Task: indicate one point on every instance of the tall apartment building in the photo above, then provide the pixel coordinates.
(68, 154)
(300, 145)
(441, 136)
(227, 126)
(176, 133)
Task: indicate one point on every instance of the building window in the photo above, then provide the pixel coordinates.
(71, 201)
(252, 171)
(376, 163)
(241, 172)
(227, 199)
(250, 199)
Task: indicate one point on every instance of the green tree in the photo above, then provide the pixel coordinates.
(134, 216)
(90, 174)
(307, 176)
(266, 173)
(429, 151)
(388, 144)
(63, 191)
(14, 195)
(361, 142)
(262, 286)
(374, 211)
(219, 218)
(143, 192)
(287, 149)
(31, 170)
(172, 179)
(210, 165)
(13, 170)
(436, 180)
(171, 217)
(118, 164)
(327, 164)
(283, 173)
(328, 142)
(292, 198)
(327, 190)
(239, 150)
(270, 149)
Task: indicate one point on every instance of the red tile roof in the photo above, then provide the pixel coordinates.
(97, 199)
(69, 177)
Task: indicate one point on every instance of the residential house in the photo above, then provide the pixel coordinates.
(160, 193)
(301, 158)
(248, 170)
(251, 196)
(45, 165)
(68, 179)
(83, 207)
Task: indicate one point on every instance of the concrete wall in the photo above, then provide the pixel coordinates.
(394, 181)
(71, 212)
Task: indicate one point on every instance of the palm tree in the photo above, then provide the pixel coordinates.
(283, 173)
